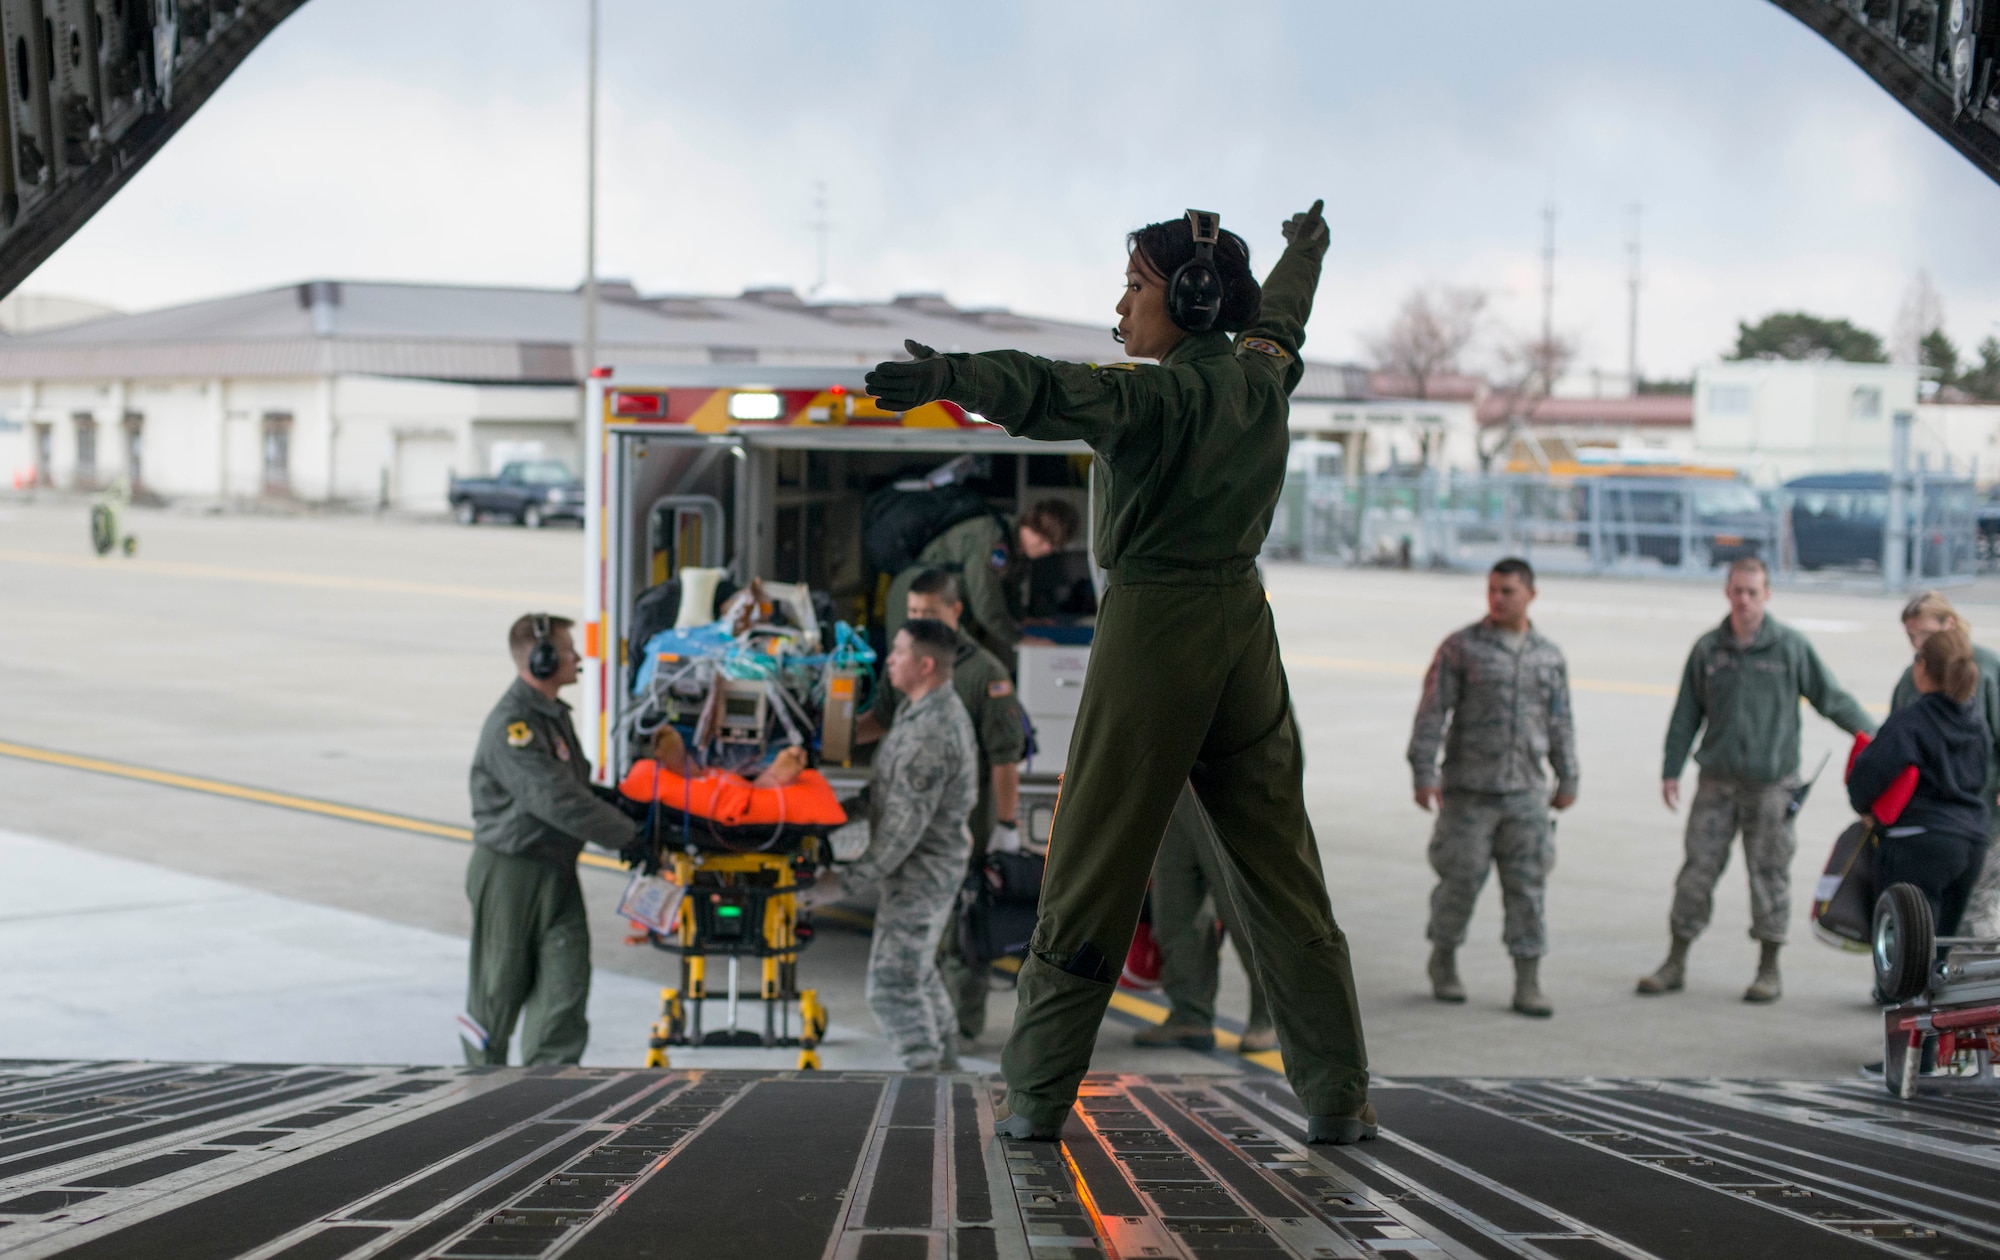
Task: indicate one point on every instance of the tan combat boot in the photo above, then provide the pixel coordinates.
(1256, 1040)
(1672, 975)
(1445, 984)
(1768, 986)
(1528, 999)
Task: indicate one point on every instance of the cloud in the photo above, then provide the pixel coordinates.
(999, 153)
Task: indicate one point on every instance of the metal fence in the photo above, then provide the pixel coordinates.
(1627, 525)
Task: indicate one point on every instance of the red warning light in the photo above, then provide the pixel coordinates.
(639, 406)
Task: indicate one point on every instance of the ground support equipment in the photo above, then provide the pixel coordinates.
(1942, 1024)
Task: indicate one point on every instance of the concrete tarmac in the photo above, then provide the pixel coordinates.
(352, 659)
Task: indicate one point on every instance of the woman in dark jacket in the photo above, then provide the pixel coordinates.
(1939, 840)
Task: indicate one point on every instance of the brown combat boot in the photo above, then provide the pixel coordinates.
(1528, 999)
(1445, 984)
(1257, 1040)
(1186, 1036)
(1768, 986)
(1672, 975)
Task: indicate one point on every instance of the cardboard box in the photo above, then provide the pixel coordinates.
(836, 727)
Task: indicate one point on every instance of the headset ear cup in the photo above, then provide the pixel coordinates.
(542, 660)
(1194, 296)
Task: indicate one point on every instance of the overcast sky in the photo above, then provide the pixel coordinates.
(999, 152)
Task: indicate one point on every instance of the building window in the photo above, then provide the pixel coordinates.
(86, 450)
(1729, 400)
(135, 448)
(1865, 403)
(277, 452)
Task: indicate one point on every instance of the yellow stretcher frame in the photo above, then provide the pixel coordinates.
(776, 950)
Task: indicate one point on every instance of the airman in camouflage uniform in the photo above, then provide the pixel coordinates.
(918, 845)
(1505, 693)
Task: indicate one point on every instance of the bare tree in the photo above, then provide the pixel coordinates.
(1921, 314)
(1429, 334)
(1530, 365)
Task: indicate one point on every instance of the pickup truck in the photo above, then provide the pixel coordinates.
(530, 492)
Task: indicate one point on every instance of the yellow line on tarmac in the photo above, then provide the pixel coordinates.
(1126, 1003)
(260, 796)
(278, 577)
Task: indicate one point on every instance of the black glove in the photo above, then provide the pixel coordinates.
(899, 386)
(638, 852)
(1306, 226)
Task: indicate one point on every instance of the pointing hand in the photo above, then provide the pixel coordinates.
(1307, 226)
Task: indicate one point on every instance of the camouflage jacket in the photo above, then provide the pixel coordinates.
(1508, 710)
(924, 788)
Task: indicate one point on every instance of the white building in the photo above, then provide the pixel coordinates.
(1339, 421)
(371, 394)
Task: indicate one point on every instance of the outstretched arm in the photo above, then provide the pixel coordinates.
(1288, 298)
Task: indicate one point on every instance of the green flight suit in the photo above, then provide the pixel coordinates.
(1185, 684)
(533, 807)
(980, 554)
(1000, 732)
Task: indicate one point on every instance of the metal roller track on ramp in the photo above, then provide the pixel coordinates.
(260, 1161)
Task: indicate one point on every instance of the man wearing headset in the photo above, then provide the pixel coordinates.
(533, 809)
(1185, 684)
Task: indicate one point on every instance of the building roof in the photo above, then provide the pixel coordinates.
(490, 334)
(1641, 411)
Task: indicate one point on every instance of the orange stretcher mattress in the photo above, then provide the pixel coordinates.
(729, 800)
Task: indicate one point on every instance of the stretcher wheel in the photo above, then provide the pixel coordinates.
(1905, 943)
(808, 1060)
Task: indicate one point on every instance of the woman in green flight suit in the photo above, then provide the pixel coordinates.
(1185, 681)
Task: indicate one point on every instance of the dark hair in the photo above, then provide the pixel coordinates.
(1947, 658)
(1055, 520)
(1514, 566)
(938, 582)
(932, 638)
(521, 635)
(1165, 246)
(1744, 564)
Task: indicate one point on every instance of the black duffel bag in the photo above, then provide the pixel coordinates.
(996, 907)
(1843, 906)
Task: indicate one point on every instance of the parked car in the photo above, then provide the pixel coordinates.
(530, 492)
(1731, 520)
(1838, 519)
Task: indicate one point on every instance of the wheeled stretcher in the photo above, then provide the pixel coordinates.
(738, 902)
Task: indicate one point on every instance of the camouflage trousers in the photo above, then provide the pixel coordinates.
(1721, 809)
(905, 992)
(1982, 909)
(1477, 832)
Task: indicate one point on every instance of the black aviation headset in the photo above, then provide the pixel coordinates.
(543, 662)
(1194, 291)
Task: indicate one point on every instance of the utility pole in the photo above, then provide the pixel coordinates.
(1548, 295)
(589, 220)
(819, 227)
(1632, 313)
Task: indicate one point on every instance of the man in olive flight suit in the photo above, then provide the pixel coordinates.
(1000, 732)
(1185, 681)
(533, 809)
(987, 563)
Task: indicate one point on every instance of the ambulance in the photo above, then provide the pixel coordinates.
(764, 472)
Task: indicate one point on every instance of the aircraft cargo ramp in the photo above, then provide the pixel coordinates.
(193, 1162)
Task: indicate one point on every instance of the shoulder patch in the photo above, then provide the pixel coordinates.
(519, 735)
(1263, 345)
(1114, 367)
(998, 688)
(998, 559)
